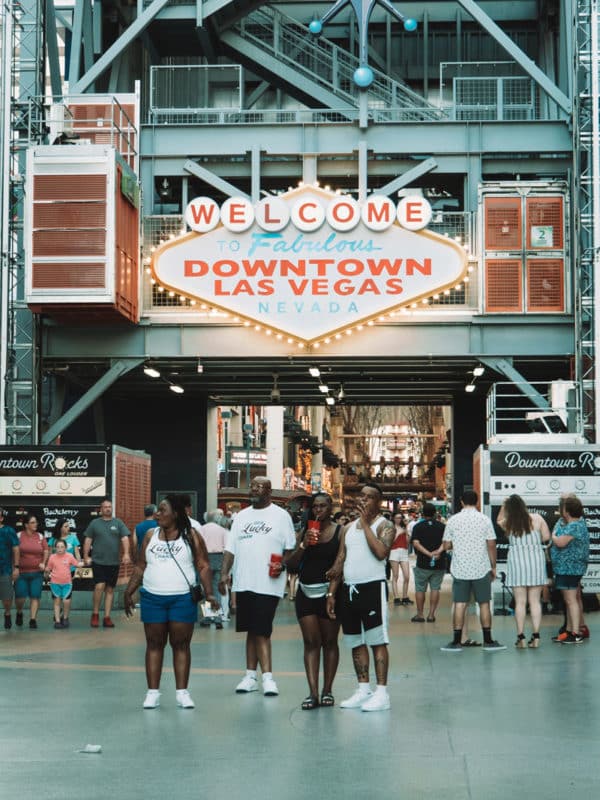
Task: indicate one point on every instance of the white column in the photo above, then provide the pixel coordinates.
(211, 458)
(317, 415)
(274, 417)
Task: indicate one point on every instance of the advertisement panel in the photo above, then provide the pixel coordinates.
(53, 472)
(540, 474)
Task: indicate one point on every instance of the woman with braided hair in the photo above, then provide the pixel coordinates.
(170, 558)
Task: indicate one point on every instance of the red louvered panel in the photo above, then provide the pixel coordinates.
(68, 276)
(81, 242)
(545, 223)
(126, 253)
(503, 223)
(69, 214)
(69, 187)
(503, 291)
(545, 284)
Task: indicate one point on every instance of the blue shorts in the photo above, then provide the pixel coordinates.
(566, 582)
(62, 590)
(29, 585)
(167, 607)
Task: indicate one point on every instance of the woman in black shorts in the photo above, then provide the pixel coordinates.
(313, 562)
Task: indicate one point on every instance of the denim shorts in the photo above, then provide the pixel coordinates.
(160, 608)
(62, 590)
(567, 581)
(29, 585)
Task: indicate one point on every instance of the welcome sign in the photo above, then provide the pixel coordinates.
(309, 263)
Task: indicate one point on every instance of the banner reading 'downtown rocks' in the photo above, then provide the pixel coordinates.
(309, 262)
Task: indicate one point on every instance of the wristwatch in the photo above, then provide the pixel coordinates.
(330, 594)
(302, 546)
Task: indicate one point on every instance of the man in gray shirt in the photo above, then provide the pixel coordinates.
(104, 536)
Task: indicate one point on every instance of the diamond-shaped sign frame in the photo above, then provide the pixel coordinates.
(309, 285)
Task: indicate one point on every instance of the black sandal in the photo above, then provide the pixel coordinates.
(309, 703)
(327, 699)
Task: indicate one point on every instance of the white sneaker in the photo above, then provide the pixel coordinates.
(152, 699)
(269, 687)
(377, 702)
(357, 700)
(247, 684)
(184, 699)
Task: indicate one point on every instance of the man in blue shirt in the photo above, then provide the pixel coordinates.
(9, 566)
(142, 528)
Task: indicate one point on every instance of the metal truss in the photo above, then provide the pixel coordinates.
(586, 173)
(23, 85)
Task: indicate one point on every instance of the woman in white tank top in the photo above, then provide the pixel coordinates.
(171, 557)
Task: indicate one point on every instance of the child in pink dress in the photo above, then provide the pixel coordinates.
(61, 582)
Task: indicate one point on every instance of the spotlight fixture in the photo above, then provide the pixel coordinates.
(341, 395)
(470, 387)
(199, 367)
(323, 388)
(330, 401)
(478, 371)
(151, 372)
(174, 387)
(314, 372)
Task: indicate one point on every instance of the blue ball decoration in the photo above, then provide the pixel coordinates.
(315, 27)
(410, 25)
(363, 77)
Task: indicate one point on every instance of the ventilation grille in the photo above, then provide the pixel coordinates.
(545, 284)
(503, 223)
(503, 285)
(68, 276)
(545, 223)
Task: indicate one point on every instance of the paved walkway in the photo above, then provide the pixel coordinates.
(513, 724)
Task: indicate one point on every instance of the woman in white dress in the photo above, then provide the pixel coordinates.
(526, 564)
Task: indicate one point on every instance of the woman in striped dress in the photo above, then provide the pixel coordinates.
(526, 563)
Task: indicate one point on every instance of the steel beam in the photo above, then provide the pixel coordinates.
(128, 36)
(479, 337)
(76, 39)
(505, 367)
(408, 177)
(488, 24)
(52, 50)
(443, 138)
(218, 183)
(117, 369)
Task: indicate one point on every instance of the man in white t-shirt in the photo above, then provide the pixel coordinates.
(471, 537)
(261, 536)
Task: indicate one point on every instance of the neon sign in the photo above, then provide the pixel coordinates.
(309, 263)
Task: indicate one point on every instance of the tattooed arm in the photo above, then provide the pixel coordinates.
(379, 541)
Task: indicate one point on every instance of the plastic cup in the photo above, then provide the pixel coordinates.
(314, 529)
(276, 558)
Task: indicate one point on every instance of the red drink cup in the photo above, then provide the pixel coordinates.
(314, 528)
(276, 559)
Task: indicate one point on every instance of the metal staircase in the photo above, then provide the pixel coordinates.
(318, 70)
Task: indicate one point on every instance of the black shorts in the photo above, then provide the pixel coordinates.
(255, 613)
(317, 606)
(105, 573)
(364, 613)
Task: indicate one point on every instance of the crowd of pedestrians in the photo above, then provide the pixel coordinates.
(343, 565)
